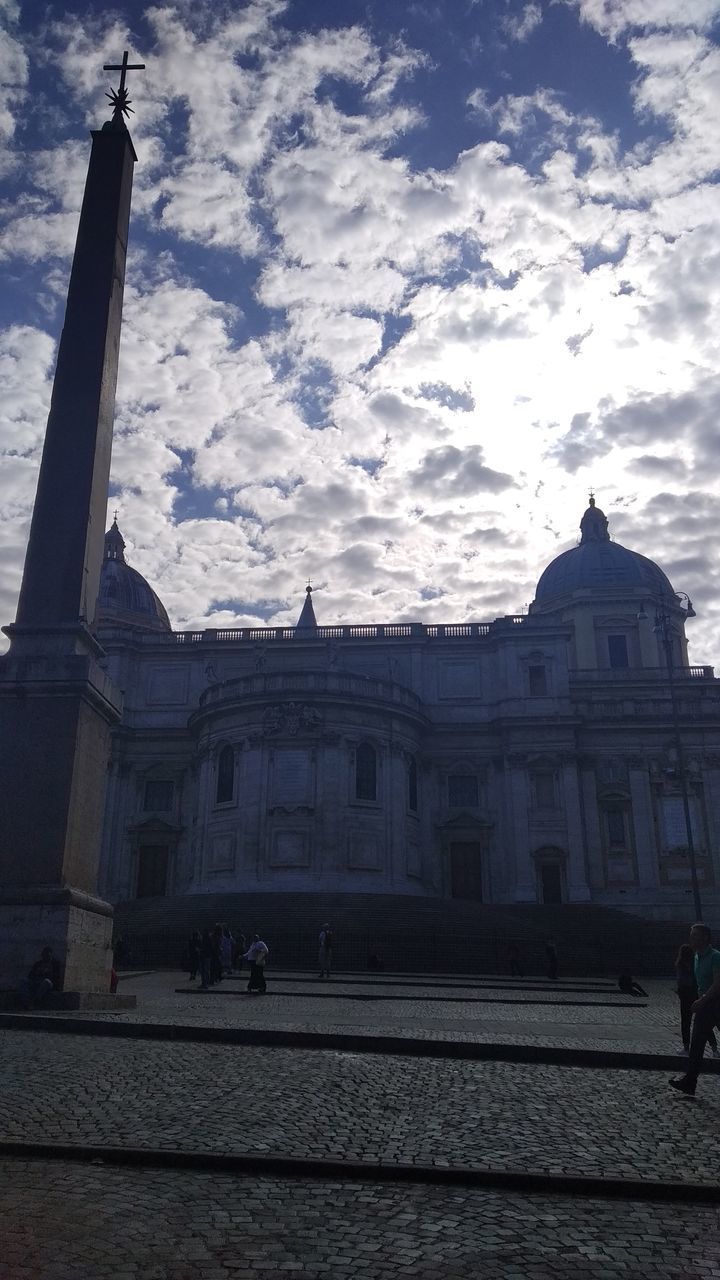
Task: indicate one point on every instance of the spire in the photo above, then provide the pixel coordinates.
(114, 543)
(594, 525)
(307, 617)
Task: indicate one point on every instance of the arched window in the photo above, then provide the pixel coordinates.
(365, 772)
(412, 785)
(225, 776)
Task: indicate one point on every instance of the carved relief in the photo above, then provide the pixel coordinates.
(291, 718)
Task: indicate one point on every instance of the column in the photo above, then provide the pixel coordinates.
(578, 889)
(642, 813)
(593, 838)
(517, 801)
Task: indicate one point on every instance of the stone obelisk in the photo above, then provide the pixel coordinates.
(57, 706)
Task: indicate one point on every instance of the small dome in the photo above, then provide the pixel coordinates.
(125, 596)
(598, 563)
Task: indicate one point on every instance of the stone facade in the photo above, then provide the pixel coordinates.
(531, 759)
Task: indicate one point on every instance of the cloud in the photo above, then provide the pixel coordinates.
(458, 472)
(520, 27)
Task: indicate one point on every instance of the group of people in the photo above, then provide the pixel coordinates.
(217, 952)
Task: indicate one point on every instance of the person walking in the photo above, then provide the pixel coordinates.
(687, 991)
(257, 954)
(705, 1010)
(216, 963)
(325, 946)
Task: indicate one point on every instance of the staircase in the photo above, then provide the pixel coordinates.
(408, 934)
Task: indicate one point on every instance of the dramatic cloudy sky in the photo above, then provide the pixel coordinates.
(405, 279)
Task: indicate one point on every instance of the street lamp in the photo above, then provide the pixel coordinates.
(662, 628)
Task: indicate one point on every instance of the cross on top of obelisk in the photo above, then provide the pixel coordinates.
(119, 97)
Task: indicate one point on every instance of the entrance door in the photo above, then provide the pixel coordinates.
(152, 871)
(551, 883)
(466, 869)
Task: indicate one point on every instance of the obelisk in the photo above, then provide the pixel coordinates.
(57, 706)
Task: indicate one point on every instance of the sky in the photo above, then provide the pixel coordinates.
(405, 281)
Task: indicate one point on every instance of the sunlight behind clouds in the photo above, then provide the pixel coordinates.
(389, 310)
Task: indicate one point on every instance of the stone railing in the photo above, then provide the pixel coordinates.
(613, 675)
(361, 631)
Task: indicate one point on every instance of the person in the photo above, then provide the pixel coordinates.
(325, 944)
(206, 960)
(687, 991)
(628, 985)
(226, 950)
(705, 1010)
(40, 981)
(514, 960)
(375, 962)
(121, 954)
(257, 954)
(239, 949)
(216, 961)
(194, 950)
(551, 958)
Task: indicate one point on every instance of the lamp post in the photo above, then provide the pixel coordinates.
(662, 628)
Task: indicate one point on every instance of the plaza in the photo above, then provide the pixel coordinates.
(162, 1143)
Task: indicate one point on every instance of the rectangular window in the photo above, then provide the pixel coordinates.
(675, 824)
(538, 682)
(158, 796)
(544, 787)
(618, 651)
(462, 791)
(616, 827)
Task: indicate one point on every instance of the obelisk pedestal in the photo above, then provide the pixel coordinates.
(57, 706)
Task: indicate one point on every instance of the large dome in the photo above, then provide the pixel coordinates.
(601, 564)
(125, 596)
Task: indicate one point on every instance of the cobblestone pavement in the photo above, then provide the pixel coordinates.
(67, 1222)
(641, 1026)
(320, 1103)
(62, 1221)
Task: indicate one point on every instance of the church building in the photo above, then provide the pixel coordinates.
(542, 758)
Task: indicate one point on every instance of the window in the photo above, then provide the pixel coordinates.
(462, 791)
(616, 827)
(412, 785)
(544, 789)
(538, 682)
(618, 651)
(225, 776)
(365, 772)
(158, 796)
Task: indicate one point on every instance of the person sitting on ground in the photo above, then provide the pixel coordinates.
(257, 954)
(40, 980)
(628, 985)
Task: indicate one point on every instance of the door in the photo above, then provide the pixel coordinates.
(466, 869)
(152, 870)
(551, 883)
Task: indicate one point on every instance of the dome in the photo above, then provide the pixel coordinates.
(125, 596)
(598, 563)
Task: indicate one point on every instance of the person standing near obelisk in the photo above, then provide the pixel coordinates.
(57, 706)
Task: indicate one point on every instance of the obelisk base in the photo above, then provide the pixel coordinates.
(76, 926)
(57, 711)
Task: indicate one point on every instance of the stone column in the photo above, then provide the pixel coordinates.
(711, 787)
(593, 838)
(517, 800)
(644, 826)
(578, 889)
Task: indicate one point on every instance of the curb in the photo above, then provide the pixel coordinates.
(354, 995)
(367, 1171)
(401, 1046)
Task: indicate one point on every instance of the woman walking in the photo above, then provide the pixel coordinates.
(687, 995)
